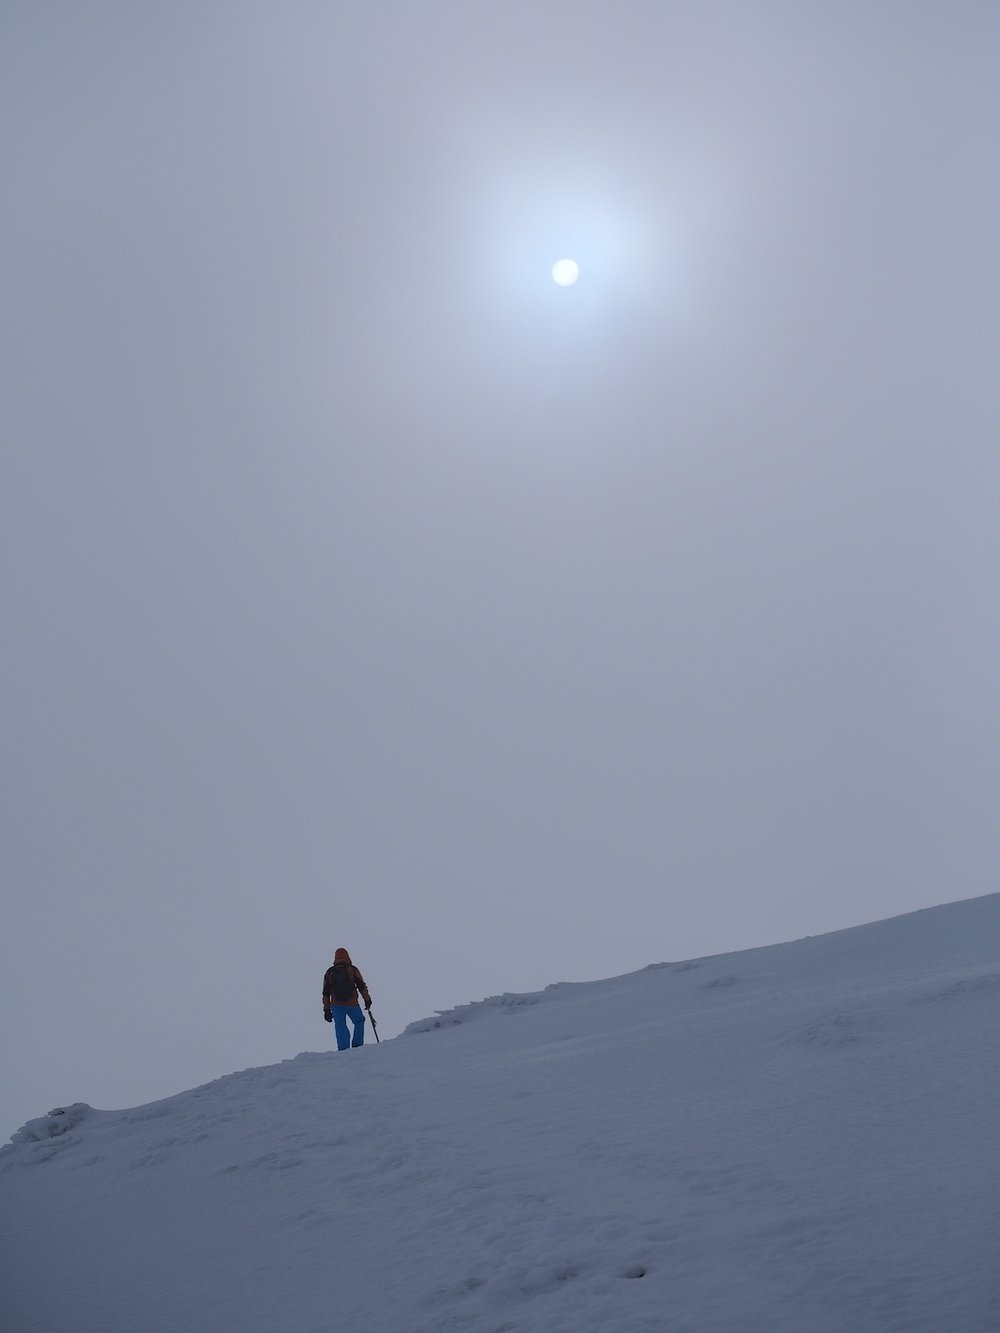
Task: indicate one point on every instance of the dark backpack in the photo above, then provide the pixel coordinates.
(342, 983)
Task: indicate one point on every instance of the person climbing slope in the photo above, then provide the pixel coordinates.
(341, 984)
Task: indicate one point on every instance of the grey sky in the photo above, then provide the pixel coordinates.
(360, 586)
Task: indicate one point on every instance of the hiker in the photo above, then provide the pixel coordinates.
(340, 999)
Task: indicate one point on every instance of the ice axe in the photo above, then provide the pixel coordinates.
(374, 1026)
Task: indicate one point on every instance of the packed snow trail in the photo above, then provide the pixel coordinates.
(797, 1139)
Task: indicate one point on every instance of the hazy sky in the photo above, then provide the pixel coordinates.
(360, 586)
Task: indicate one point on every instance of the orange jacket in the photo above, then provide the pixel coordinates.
(357, 983)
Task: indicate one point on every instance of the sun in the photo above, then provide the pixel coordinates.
(565, 272)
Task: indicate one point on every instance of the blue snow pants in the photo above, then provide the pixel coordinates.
(343, 1012)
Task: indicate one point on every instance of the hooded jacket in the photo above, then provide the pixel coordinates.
(357, 983)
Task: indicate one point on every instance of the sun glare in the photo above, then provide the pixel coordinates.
(565, 272)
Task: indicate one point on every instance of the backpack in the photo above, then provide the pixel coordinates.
(342, 983)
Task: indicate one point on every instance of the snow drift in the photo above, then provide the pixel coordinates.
(798, 1138)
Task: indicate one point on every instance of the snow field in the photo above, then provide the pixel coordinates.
(799, 1138)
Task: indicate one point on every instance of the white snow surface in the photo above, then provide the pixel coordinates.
(802, 1137)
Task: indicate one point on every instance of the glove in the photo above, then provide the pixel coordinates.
(328, 1015)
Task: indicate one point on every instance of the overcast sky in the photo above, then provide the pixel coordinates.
(362, 587)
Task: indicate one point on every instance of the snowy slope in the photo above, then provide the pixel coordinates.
(803, 1137)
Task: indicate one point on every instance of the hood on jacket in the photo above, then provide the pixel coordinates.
(342, 956)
